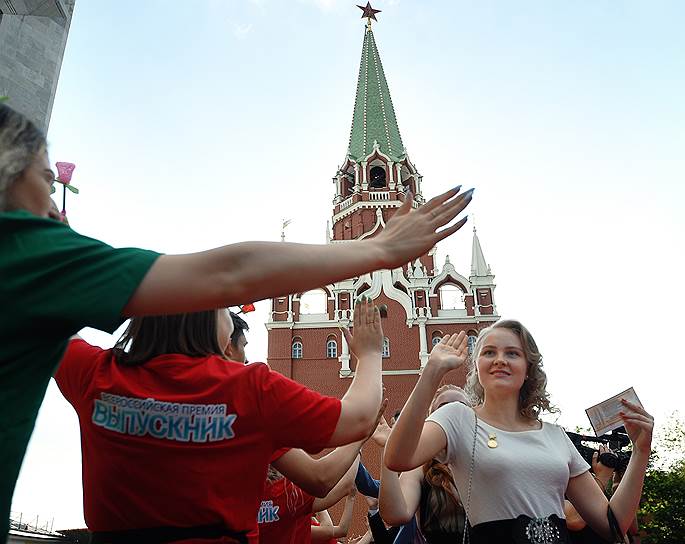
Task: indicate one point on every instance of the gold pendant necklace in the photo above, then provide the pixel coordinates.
(492, 441)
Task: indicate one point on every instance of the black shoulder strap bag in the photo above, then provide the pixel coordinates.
(617, 535)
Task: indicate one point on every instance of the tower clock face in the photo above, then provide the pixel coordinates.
(377, 175)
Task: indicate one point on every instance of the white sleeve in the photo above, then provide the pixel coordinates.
(453, 419)
(576, 464)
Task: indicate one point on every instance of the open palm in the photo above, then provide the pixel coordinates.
(450, 353)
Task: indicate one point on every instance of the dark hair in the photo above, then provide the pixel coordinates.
(441, 509)
(239, 328)
(193, 335)
(20, 142)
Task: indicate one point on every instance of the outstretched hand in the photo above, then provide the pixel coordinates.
(411, 233)
(450, 353)
(639, 426)
(368, 333)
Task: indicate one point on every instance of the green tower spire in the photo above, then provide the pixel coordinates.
(374, 117)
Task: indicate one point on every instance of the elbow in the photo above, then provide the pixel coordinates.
(396, 463)
(318, 487)
(398, 466)
(575, 523)
(395, 519)
(359, 424)
(322, 488)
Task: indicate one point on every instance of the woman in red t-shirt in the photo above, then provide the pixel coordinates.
(285, 513)
(176, 438)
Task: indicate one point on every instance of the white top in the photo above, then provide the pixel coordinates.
(527, 473)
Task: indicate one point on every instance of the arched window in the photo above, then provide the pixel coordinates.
(451, 297)
(297, 349)
(331, 348)
(386, 347)
(471, 344)
(314, 302)
(436, 340)
(377, 175)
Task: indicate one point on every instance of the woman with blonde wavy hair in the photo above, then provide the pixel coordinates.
(512, 469)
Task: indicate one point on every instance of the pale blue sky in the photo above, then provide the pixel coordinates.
(201, 123)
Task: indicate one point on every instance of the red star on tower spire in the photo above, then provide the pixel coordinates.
(369, 12)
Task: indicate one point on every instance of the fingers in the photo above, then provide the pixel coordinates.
(449, 211)
(440, 199)
(405, 208)
(451, 230)
(361, 308)
(456, 339)
(371, 312)
(635, 408)
(636, 417)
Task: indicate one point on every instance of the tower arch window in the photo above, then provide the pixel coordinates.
(314, 302)
(386, 347)
(377, 177)
(331, 348)
(437, 336)
(296, 351)
(471, 343)
(451, 297)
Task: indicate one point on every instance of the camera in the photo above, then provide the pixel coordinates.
(617, 458)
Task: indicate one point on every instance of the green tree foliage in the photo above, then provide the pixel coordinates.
(662, 511)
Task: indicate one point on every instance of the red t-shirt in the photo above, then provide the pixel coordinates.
(284, 514)
(183, 441)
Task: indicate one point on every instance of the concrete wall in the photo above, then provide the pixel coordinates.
(33, 35)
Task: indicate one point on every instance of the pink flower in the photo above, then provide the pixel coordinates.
(64, 171)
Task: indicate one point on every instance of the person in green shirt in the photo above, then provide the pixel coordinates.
(55, 281)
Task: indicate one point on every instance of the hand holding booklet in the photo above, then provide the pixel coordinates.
(605, 416)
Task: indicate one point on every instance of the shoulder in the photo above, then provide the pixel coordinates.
(554, 431)
(77, 366)
(79, 352)
(21, 225)
(452, 414)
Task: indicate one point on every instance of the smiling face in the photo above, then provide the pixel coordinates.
(502, 363)
(31, 191)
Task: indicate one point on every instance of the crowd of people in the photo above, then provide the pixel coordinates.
(182, 441)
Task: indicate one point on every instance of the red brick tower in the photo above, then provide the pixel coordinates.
(424, 302)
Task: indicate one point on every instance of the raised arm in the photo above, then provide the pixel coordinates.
(407, 447)
(251, 271)
(344, 487)
(400, 494)
(588, 499)
(359, 411)
(317, 476)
